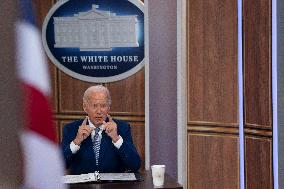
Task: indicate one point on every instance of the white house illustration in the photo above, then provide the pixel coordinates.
(95, 30)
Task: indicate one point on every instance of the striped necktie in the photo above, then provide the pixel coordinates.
(96, 144)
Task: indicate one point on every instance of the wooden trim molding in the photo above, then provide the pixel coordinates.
(216, 130)
(258, 126)
(258, 132)
(213, 124)
(139, 114)
(126, 117)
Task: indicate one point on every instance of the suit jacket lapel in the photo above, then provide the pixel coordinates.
(89, 144)
(103, 147)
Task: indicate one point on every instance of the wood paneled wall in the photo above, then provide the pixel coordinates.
(213, 152)
(128, 95)
(257, 93)
(213, 155)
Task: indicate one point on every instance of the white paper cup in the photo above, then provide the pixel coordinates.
(158, 172)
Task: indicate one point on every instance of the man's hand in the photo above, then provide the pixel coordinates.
(83, 132)
(111, 129)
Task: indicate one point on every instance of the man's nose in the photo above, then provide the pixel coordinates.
(98, 109)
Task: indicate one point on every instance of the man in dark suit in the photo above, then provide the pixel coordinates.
(99, 143)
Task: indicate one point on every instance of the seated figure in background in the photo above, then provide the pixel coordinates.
(99, 142)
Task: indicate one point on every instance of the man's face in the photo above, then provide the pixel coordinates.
(97, 107)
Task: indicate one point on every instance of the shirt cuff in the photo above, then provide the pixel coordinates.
(74, 148)
(118, 143)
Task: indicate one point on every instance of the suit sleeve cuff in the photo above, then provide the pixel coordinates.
(118, 143)
(74, 148)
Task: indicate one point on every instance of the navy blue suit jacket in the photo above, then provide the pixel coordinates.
(111, 159)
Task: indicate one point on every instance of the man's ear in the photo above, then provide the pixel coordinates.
(85, 107)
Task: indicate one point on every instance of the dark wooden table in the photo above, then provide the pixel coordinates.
(145, 183)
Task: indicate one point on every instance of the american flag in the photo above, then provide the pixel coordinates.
(42, 161)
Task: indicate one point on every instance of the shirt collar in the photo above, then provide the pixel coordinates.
(93, 126)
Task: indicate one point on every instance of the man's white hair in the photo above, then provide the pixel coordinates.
(98, 89)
